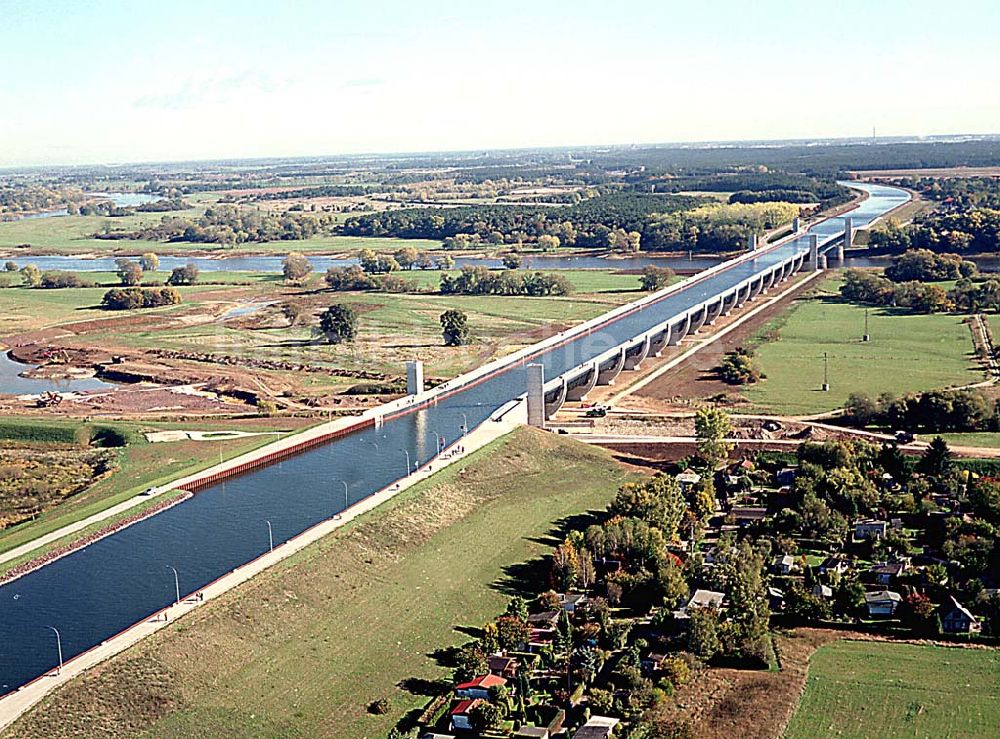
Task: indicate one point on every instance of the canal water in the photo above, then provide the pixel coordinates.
(120, 580)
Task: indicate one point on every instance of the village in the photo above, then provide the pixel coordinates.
(697, 567)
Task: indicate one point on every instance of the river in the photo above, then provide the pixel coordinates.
(118, 581)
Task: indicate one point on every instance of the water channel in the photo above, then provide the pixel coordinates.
(120, 580)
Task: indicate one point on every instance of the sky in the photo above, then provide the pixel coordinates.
(109, 81)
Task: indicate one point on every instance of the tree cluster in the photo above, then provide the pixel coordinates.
(479, 280)
(131, 298)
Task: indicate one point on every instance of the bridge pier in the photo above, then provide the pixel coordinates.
(536, 395)
(414, 377)
(679, 330)
(582, 389)
(555, 398)
(729, 302)
(715, 311)
(608, 372)
(698, 317)
(635, 355)
(660, 340)
(813, 253)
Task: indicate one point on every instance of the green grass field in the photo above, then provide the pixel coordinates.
(305, 647)
(971, 438)
(875, 689)
(907, 353)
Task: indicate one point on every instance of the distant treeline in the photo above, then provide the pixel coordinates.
(963, 231)
(320, 191)
(936, 411)
(754, 187)
(956, 192)
(228, 225)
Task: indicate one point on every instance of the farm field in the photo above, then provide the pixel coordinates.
(281, 655)
(875, 689)
(907, 353)
(971, 438)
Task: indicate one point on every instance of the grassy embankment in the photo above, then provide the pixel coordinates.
(907, 353)
(140, 463)
(302, 649)
(875, 689)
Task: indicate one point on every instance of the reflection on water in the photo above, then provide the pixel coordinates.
(11, 381)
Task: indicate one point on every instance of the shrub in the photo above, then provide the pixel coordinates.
(739, 367)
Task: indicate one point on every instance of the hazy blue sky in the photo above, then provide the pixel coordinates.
(111, 81)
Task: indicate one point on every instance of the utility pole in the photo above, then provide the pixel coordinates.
(866, 337)
(826, 373)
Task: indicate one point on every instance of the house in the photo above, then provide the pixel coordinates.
(883, 602)
(701, 599)
(652, 662)
(775, 599)
(504, 666)
(957, 619)
(544, 620)
(786, 476)
(597, 727)
(822, 591)
(746, 514)
(870, 530)
(785, 564)
(687, 478)
(887, 573)
(461, 715)
(479, 687)
(539, 638)
(834, 565)
(532, 732)
(569, 602)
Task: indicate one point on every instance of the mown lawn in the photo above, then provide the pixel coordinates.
(907, 353)
(877, 689)
(303, 649)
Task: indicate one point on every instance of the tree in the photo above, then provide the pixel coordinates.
(511, 260)
(31, 275)
(455, 328)
(10, 266)
(407, 257)
(937, 459)
(739, 367)
(296, 268)
(470, 662)
(485, 716)
(703, 633)
(444, 261)
(657, 501)
(711, 427)
(339, 323)
(655, 278)
(512, 632)
(518, 608)
(149, 262)
(129, 272)
(548, 242)
(186, 275)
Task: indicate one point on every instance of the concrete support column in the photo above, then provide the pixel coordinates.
(848, 232)
(536, 395)
(813, 253)
(796, 225)
(751, 242)
(414, 377)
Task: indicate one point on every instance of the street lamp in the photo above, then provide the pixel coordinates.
(346, 502)
(465, 424)
(270, 535)
(59, 648)
(407, 453)
(177, 585)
